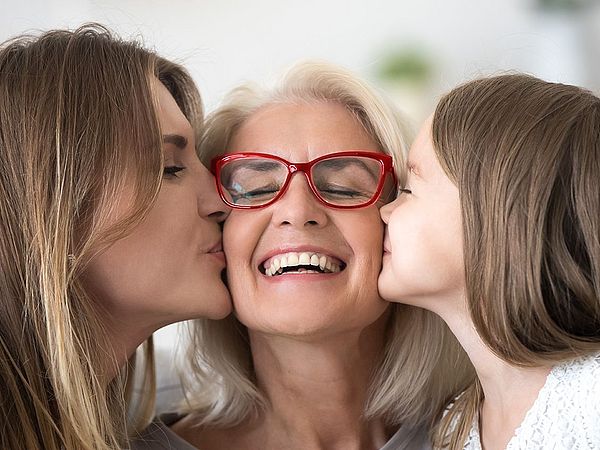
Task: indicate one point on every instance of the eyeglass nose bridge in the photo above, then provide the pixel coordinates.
(299, 167)
(302, 168)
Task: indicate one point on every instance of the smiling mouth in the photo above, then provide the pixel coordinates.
(301, 263)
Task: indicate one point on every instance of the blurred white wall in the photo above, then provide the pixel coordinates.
(224, 42)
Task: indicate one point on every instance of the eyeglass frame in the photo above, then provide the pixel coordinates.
(386, 164)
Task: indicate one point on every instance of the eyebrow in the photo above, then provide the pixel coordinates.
(177, 140)
(341, 163)
(255, 166)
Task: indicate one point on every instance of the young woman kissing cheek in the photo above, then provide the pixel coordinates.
(423, 257)
(346, 243)
(168, 268)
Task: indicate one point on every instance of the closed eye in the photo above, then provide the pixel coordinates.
(339, 192)
(261, 192)
(172, 170)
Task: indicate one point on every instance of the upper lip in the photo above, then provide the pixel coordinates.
(299, 249)
(217, 247)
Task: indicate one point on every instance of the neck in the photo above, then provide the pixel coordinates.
(123, 337)
(327, 381)
(509, 390)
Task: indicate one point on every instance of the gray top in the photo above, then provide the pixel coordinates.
(158, 436)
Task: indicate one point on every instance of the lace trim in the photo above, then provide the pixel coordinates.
(565, 414)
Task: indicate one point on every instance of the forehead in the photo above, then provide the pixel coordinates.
(301, 132)
(172, 120)
(422, 154)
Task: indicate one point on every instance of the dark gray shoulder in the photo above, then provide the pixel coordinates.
(158, 436)
(409, 438)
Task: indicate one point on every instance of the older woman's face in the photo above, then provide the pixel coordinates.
(304, 303)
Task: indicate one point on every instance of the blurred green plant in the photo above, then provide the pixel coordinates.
(408, 65)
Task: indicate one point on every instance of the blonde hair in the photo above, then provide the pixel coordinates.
(77, 118)
(415, 377)
(525, 156)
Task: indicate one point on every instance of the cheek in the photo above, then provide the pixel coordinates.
(364, 234)
(407, 230)
(119, 276)
(239, 238)
(241, 233)
(426, 250)
(153, 260)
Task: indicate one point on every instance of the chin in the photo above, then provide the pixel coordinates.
(221, 306)
(388, 288)
(395, 287)
(313, 325)
(210, 302)
(219, 315)
(302, 331)
(286, 322)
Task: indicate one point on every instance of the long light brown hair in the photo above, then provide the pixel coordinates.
(525, 156)
(77, 119)
(421, 364)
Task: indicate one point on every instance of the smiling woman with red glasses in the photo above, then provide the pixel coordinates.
(313, 357)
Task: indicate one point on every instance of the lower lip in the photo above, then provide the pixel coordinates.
(301, 277)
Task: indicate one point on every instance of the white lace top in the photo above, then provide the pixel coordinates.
(565, 415)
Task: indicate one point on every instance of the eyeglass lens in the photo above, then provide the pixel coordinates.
(340, 181)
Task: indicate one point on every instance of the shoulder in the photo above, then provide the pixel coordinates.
(243, 435)
(409, 438)
(573, 409)
(585, 366)
(454, 424)
(159, 436)
(578, 379)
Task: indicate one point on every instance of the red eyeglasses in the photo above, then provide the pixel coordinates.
(344, 180)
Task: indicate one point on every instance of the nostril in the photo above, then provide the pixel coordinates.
(312, 222)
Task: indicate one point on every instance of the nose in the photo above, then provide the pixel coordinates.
(386, 210)
(298, 205)
(210, 204)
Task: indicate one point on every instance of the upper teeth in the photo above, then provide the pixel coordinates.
(276, 264)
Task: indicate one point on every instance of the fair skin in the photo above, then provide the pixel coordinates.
(315, 337)
(423, 265)
(168, 268)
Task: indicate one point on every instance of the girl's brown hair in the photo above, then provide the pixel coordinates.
(77, 120)
(525, 156)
